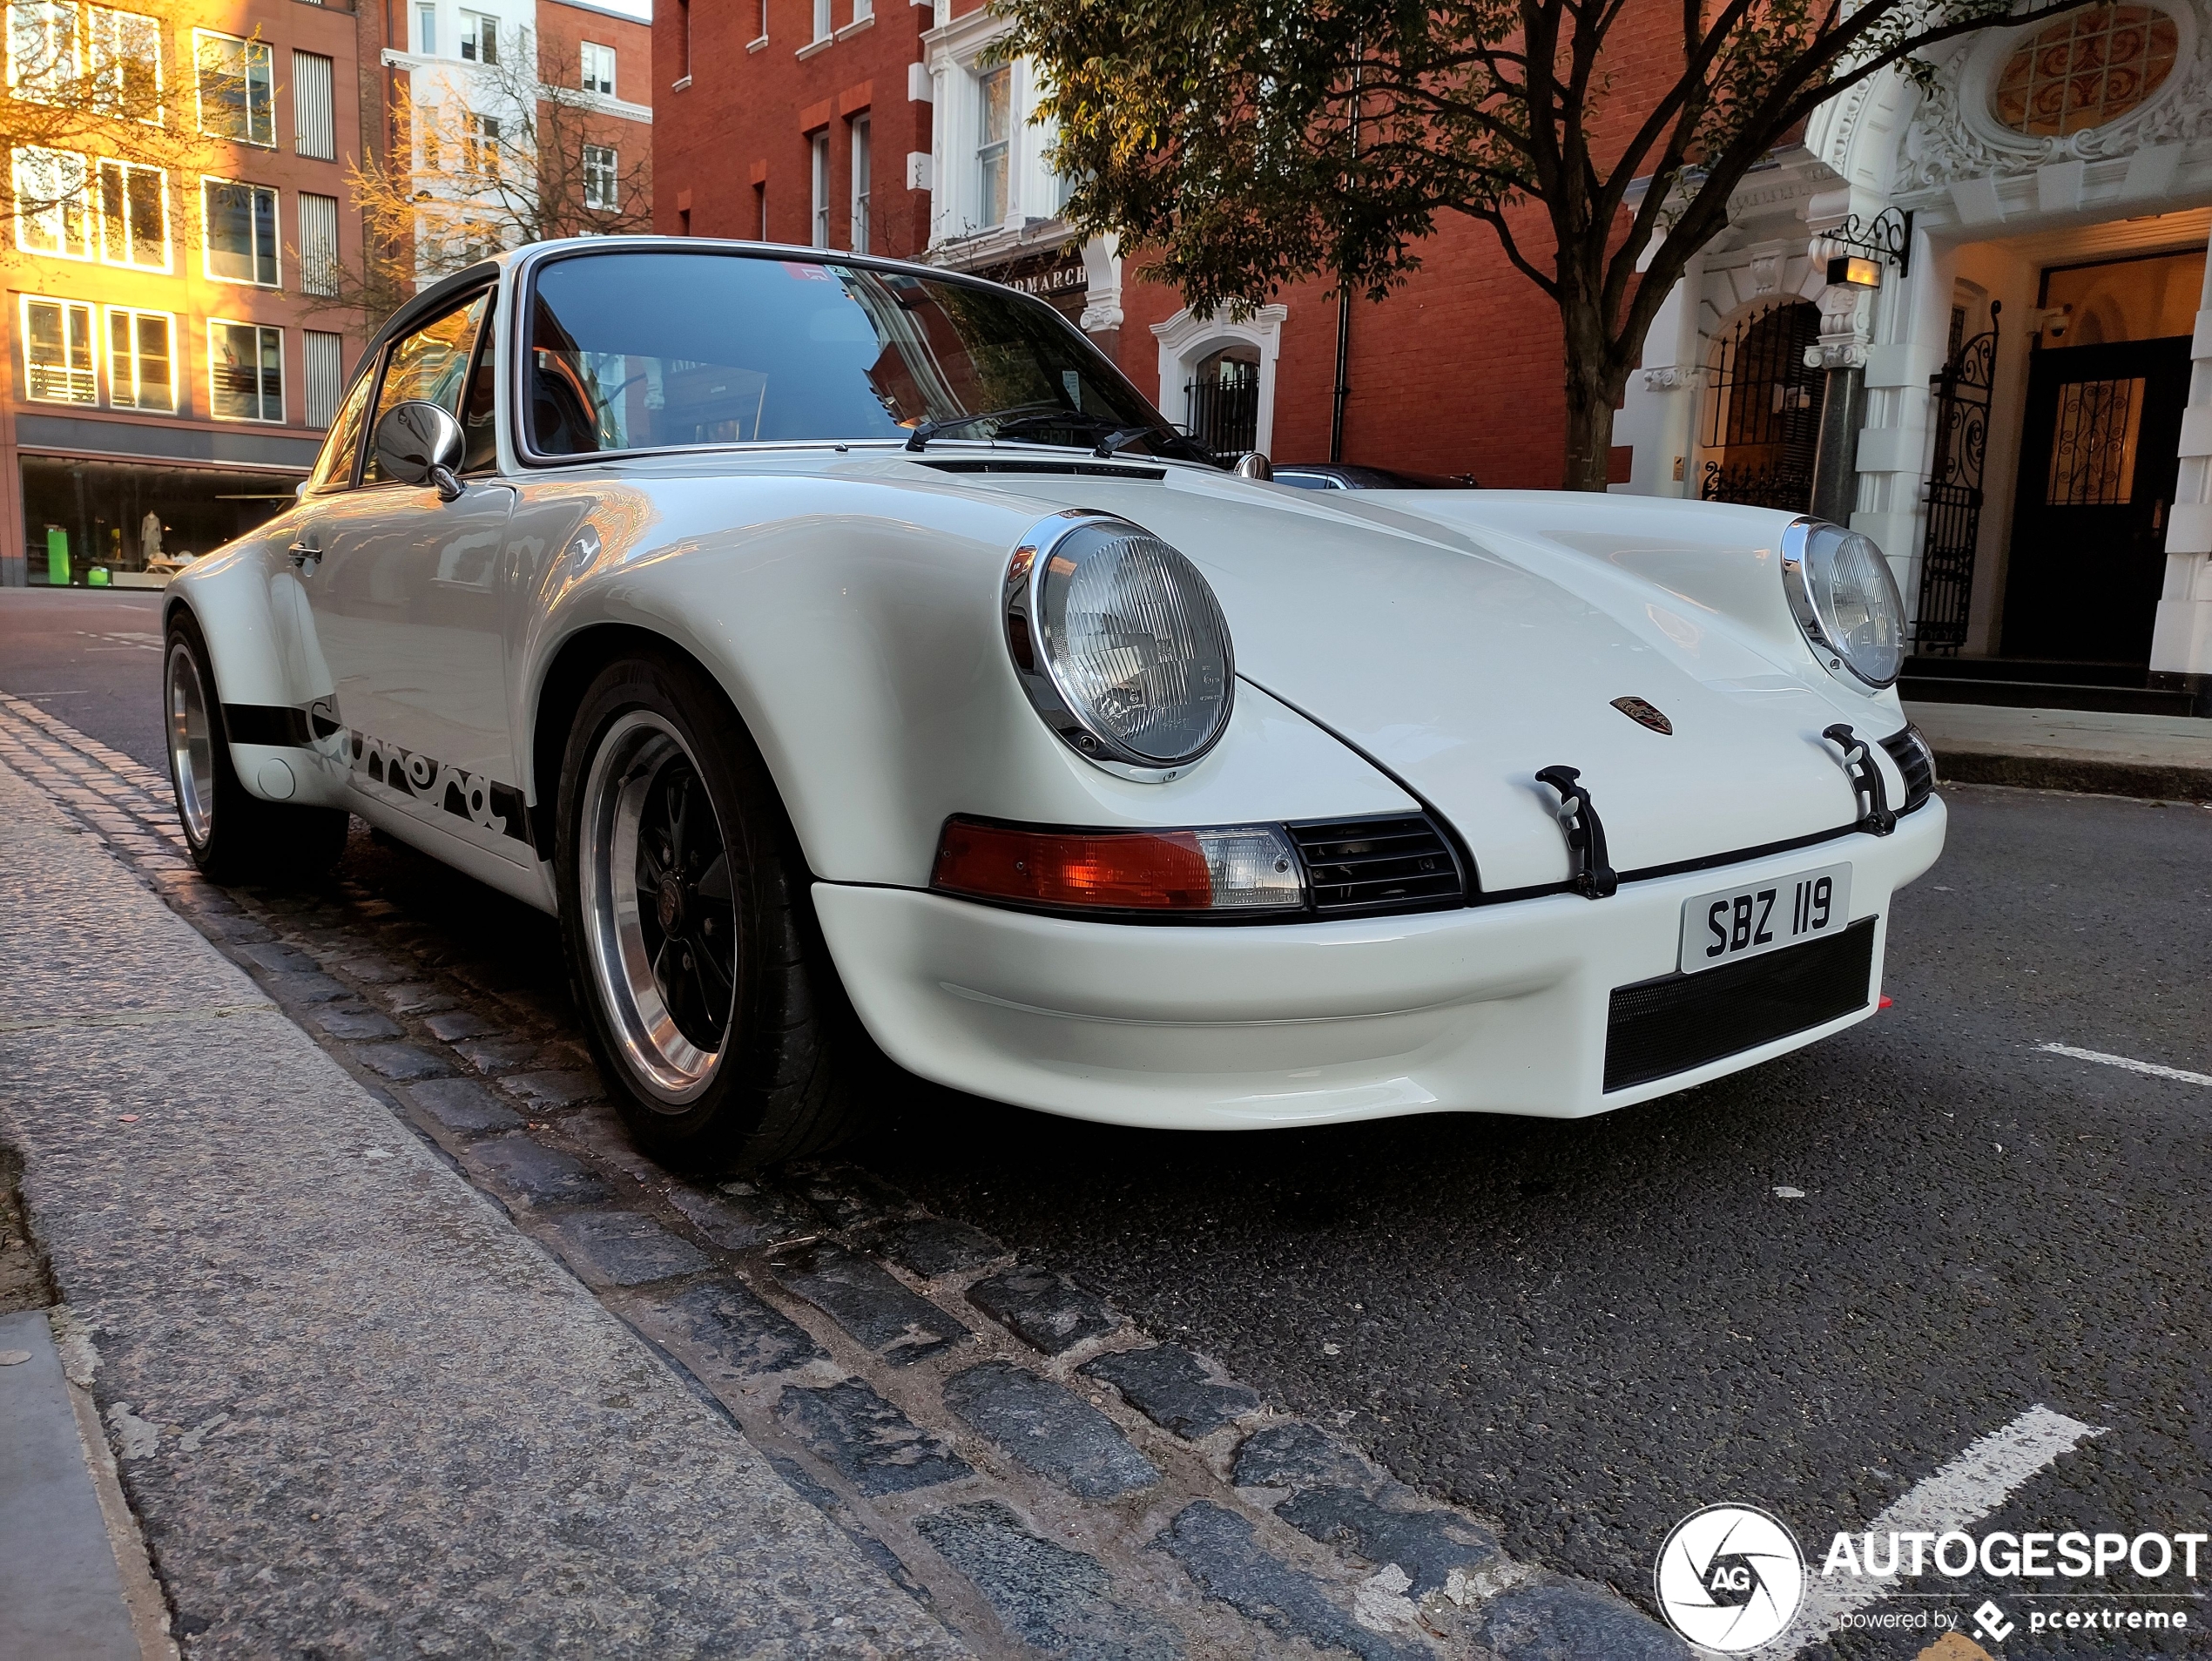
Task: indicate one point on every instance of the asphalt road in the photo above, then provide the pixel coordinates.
(92, 657)
(1587, 1330)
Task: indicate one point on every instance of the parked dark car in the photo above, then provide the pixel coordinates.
(1335, 476)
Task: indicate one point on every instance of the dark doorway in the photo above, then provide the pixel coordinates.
(2098, 462)
(1762, 421)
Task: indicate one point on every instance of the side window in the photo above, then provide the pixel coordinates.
(334, 467)
(431, 365)
(479, 417)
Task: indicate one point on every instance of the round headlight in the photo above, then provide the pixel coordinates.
(1119, 643)
(1845, 599)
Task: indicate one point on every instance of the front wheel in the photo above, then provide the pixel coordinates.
(233, 836)
(712, 1008)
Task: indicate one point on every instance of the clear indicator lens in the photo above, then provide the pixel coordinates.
(1251, 866)
(1136, 643)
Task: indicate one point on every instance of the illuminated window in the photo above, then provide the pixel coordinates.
(246, 372)
(57, 351)
(134, 215)
(42, 48)
(127, 62)
(53, 210)
(2090, 67)
(237, 88)
(141, 359)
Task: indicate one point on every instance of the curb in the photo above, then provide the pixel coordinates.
(2084, 775)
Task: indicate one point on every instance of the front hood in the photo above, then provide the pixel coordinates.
(1463, 657)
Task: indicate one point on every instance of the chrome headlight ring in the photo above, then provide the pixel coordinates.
(1809, 576)
(1037, 635)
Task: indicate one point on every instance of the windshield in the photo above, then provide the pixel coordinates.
(635, 351)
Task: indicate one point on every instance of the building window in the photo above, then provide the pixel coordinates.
(480, 146)
(314, 116)
(241, 232)
(599, 70)
(2090, 67)
(42, 48)
(237, 88)
(126, 63)
(324, 361)
(822, 19)
(601, 190)
(820, 218)
(57, 351)
(426, 31)
(318, 244)
(134, 215)
(479, 37)
(1223, 401)
(52, 212)
(861, 164)
(246, 372)
(863, 8)
(997, 126)
(141, 359)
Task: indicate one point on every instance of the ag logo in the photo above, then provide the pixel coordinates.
(1729, 1578)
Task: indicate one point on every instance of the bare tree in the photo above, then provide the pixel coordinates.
(515, 152)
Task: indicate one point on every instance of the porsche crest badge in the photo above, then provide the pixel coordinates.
(1644, 714)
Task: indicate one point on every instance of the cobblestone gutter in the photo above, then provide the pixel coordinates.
(1040, 1472)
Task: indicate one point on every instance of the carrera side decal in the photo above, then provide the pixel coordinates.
(482, 801)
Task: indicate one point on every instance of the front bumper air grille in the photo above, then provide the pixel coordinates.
(1356, 866)
(1908, 748)
(1678, 1022)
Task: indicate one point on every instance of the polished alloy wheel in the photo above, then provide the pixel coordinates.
(192, 744)
(658, 918)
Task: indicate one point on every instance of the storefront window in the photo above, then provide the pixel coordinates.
(126, 517)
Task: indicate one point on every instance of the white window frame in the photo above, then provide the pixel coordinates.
(215, 323)
(602, 179)
(481, 138)
(819, 217)
(989, 151)
(251, 51)
(822, 25)
(276, 233)
(478, 41)
(86, 245)
(426, 32)
(127, 168)
(89, 369)
(595, 59)
(135, 398)
(106, 32)
(860, 164)
(1185, 340)
(47, 33)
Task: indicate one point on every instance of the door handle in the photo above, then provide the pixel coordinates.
(302, 551)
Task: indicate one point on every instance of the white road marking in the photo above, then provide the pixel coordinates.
(1972, 1485)
(2150, 1067)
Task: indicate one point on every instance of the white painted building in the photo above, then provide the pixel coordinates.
(2062, 172)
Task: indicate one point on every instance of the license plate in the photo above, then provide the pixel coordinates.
(1730, 923)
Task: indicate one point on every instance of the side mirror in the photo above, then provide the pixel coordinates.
(420, 444)
(1250, 465)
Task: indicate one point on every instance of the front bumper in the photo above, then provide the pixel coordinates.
(1497, 1009)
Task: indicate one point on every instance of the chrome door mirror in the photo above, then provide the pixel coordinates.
(1252, 465)
(420, 444)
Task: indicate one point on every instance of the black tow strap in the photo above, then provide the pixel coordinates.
(1865, 780)
(1592, 878)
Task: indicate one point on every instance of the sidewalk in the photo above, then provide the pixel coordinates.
(2165, 757)
(303, 1341)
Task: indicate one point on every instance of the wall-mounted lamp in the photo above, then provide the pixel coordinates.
(1854, 269)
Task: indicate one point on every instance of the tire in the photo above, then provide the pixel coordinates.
(232, 835)
(725, 1038)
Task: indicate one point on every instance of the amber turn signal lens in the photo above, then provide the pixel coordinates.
(1242, 868)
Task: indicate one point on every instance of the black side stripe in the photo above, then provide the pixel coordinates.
(275, 724)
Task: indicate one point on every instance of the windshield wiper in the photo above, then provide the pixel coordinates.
(926, 430)
(1121, 438)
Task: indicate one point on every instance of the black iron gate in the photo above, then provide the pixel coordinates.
(1224, 404)
(1763, 410)
(1962, 389)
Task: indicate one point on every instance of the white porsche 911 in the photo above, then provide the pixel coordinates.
(826, 639)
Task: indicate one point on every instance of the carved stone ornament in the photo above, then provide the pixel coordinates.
(1953, 134)
(1672, 377)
